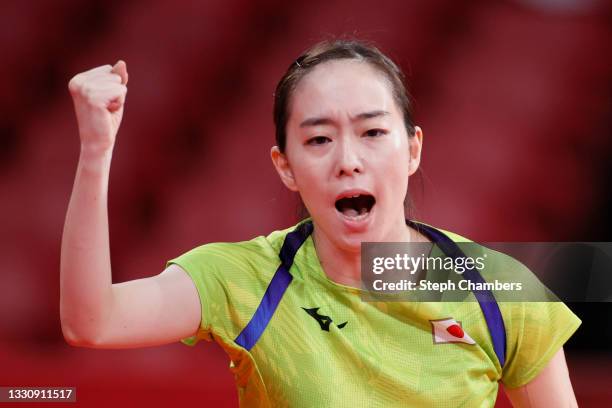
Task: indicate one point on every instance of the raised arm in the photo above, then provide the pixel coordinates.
(93, 311)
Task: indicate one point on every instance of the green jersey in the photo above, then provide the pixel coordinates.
(319, 344)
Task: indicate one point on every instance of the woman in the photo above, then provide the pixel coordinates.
(286, 307)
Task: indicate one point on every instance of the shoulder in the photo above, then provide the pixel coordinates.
(255, 253)
(231, 279)
(498, 264)
(452, 235)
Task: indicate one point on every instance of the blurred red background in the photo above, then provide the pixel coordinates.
(514, 98)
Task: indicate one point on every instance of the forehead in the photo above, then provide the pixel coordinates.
(341, 87)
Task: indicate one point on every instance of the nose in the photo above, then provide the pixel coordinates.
(349, 159)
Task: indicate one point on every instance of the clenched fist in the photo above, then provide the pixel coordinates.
(99, 96)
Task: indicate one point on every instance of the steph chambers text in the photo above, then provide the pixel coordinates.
(464, 284)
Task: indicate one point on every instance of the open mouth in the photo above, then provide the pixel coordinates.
(356, 206)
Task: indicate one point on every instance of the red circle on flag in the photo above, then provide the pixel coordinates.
(455, 330)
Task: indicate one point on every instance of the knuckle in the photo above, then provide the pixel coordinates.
(74, 83)
(89, 93)
(103, 68)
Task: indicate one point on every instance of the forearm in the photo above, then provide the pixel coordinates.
(85, 268)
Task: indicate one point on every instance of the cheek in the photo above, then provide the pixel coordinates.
(393, 167)
(396, 154)
(306, 169)
(308, 178)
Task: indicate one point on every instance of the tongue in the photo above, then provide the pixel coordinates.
(351, 212)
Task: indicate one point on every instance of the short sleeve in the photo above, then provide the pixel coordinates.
(230, 279)
(193, 263)
(535, 332)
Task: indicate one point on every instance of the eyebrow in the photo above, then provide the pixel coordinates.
(327, 121)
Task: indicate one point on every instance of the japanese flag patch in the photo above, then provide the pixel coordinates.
(449, 331)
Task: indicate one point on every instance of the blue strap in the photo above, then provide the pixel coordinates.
(486, 300)
(276, 289)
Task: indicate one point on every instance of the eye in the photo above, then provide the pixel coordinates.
(317, 140)
(376, 132)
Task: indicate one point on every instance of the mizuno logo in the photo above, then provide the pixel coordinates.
(324, 321)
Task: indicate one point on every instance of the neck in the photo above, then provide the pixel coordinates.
(344, 266)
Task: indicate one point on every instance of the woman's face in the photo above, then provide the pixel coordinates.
(348, 154)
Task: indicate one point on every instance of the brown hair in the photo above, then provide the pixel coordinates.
(334, 50)
(329, 50)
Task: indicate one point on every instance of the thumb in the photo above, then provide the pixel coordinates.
(120, 68)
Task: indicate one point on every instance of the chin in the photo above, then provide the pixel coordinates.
(351, 241)
(352, 245)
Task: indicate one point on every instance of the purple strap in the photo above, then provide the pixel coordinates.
(276, 289)
(486, 300)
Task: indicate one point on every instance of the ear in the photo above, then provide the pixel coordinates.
(415, 145)
(281, 164)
